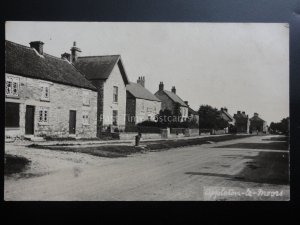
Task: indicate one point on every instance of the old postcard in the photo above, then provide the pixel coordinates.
(136, 111)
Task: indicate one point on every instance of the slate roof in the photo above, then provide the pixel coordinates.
(226, 114)
(100, 67)
(240, 116)
(138, 91)
(256, 118)
(25, 61)
(191, 111)
(175, 98)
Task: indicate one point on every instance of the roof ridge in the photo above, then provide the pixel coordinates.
(24, 46)
(28, 47)
(170, 92)
(94, 56)
(30, 50)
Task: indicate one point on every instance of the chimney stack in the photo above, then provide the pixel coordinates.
(243, 113)
(74, 52)
(66, 56)
(174, 89)
(238, 112)
(225, 109)
(187, 103)
(141, 81)
(255, 114)
(38, 46)
(161, 86)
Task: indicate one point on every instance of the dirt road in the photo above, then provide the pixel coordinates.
(175, 174)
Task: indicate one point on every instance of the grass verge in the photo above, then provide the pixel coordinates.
(113, 151)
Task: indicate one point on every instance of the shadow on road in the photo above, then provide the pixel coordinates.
(270, 145)
(266, 167)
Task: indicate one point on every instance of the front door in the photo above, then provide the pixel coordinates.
(72, 122)
(29, 120)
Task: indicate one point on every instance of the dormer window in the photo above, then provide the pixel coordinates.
(12, 86)
(45, 92)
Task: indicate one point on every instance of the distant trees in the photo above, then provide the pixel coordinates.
(209, 118)
(281, 127)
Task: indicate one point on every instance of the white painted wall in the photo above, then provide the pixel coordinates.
(115, 79)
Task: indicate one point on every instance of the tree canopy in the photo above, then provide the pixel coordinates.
(209, 118)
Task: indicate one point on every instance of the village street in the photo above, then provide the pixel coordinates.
(174, 174)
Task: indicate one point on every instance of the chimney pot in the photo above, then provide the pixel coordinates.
(74, 52)
(66, 56)
(141, 81)
(174, 89)
(161, 86)
(38, 46)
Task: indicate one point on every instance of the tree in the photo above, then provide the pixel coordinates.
(209, 118)
(280, 127)
(177, 113)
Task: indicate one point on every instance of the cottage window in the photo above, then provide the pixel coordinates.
(45, 95)
(115, 94)
(12, 114)
(44, 115)
(86, 98)
(85, 118)
(115, 118)
(12, 86)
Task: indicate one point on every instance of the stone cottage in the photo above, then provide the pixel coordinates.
(257, 124)
(141, 104)
(170, 99)
(108, 75)
(46, 95)
(242, 122)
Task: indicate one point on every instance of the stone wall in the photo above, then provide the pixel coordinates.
(63, 98)
(145, 109)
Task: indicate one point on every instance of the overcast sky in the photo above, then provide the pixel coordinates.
(241, 66)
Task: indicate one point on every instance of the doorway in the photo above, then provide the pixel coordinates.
(29, 119)
(72, 122)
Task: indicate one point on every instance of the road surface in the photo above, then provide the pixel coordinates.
(174, 174)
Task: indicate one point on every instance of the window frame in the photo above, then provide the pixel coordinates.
(44, 87)
(13, 80)
(45, 111)
(115, 95)
(115, 118)
(85, 118)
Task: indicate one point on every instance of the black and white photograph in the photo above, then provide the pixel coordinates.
(147, 111)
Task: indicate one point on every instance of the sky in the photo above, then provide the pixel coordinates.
(241, 66)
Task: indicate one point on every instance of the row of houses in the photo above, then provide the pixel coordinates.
(243, 123)
(76, 96)
(84, 97)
